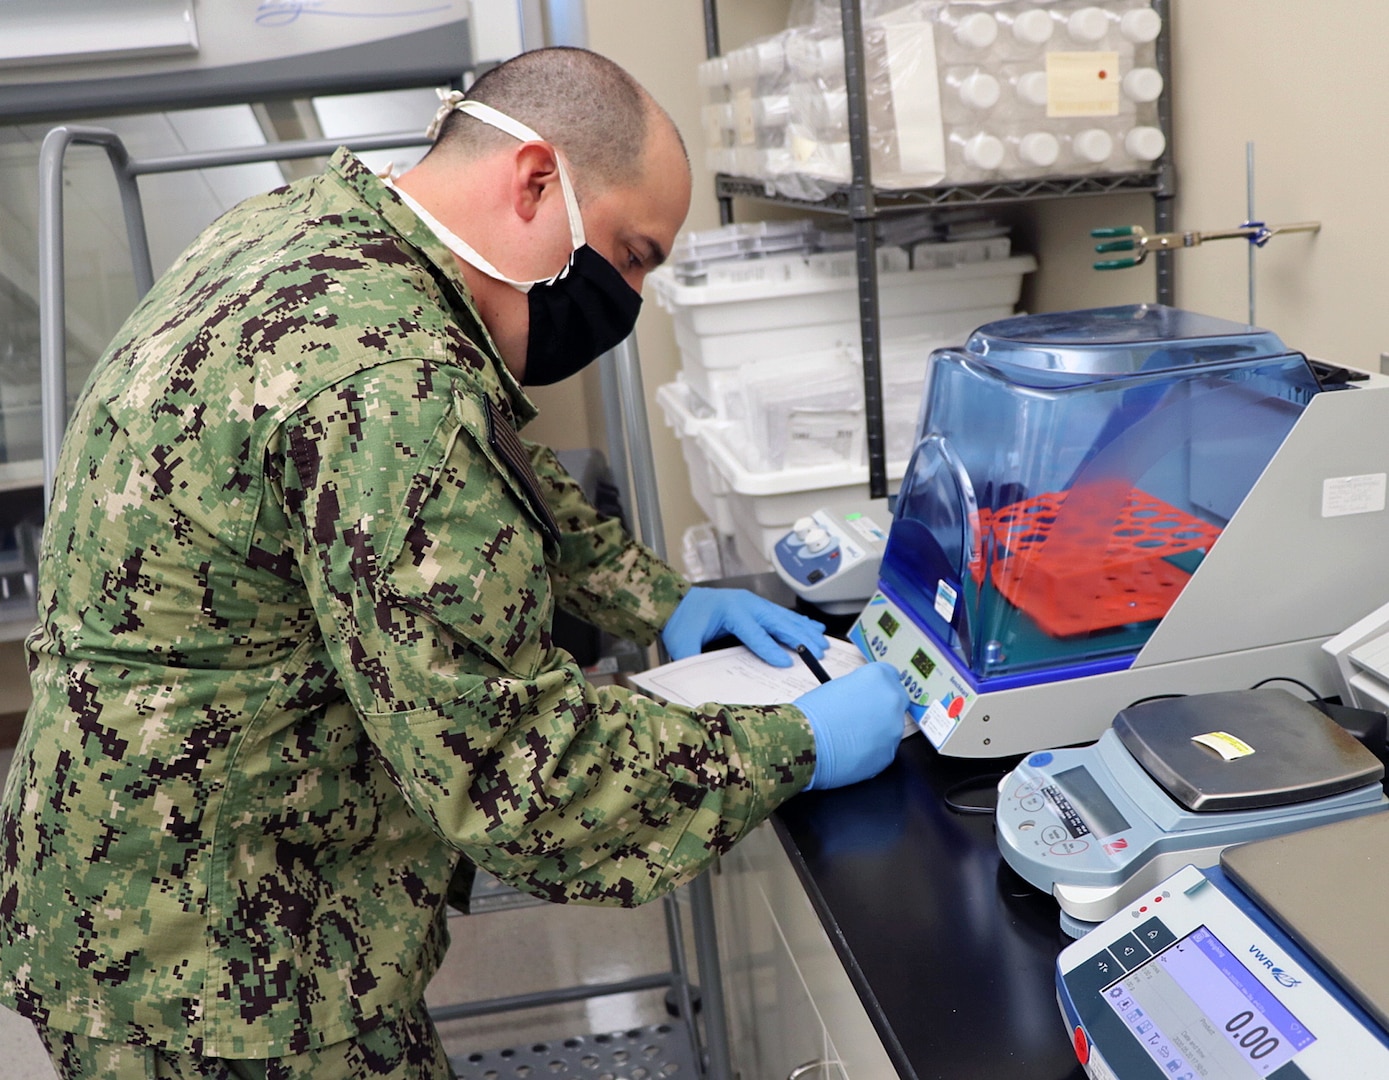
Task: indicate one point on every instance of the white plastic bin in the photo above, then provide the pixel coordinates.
(727, 321)
(721, 327)
(762, 506)
(707, 484)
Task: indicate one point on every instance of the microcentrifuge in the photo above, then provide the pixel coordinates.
(1176, 781)
(1109, 504)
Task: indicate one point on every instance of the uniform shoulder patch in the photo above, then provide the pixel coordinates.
(506, 444)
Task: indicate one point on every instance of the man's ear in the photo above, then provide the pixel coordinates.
(534, 168)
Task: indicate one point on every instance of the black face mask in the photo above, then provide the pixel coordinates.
(577, 318)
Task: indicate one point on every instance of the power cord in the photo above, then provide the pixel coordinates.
(987, 781)
(1316, 697)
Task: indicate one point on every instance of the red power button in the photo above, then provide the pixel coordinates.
(1082, 1045)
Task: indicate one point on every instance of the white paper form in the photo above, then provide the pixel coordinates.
(735, 676)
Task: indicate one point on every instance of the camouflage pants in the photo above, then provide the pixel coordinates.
(406, 1048)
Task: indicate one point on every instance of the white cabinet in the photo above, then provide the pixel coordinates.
(791, 1007)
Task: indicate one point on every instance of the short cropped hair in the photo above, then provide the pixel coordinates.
(583, 103)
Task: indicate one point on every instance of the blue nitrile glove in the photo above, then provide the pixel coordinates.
(705, 614)
(857, 723)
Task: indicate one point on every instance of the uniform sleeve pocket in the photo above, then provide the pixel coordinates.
(464, 553)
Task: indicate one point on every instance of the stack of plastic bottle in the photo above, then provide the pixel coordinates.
(957, 92)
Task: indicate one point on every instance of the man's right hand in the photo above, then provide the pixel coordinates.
(857, 723)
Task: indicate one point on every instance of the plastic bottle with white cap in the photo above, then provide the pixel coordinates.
(768, 56)
(1140, 26)
(814, 53)
(1142, 85)
(972, 156)
(1086, 150)
(1031, 154)
(1023, 33)
(1139, 91)
(1088, 26)
(968, 93)
(1143, 145)
(1024, 96)
(819, 109)
(964, 35)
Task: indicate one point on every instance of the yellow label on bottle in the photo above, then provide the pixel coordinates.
(743, 122)
(1224, 744)
(1082, 84)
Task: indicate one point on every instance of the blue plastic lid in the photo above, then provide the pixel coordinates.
(1118, 341)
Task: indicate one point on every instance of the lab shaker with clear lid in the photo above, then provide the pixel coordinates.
(1071, 474)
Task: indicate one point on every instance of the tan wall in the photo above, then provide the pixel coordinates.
(1300, 80)
(1305, 83)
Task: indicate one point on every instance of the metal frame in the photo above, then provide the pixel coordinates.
(622, 372)
(863, 204)
(838, 201)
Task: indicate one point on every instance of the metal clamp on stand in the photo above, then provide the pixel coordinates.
(1134, 238)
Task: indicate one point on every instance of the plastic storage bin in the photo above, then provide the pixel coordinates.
(720, 327)
(707, 484)
(762, 506)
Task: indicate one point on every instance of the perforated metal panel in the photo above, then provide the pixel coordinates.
(660, 1052)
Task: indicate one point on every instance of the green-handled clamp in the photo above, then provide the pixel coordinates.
(1135, 238)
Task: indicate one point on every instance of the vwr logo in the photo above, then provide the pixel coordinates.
(1281, 977)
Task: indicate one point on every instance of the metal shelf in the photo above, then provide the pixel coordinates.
(999, 192)
(863, 203)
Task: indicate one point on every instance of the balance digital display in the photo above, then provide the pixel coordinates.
(1195, 982)
(1097, 825)
(1171, 1003)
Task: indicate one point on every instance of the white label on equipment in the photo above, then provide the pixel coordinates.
(937, 723)
(866, 527)
(1341, 495)
(945, 601)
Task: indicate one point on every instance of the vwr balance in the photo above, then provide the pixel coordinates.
(1107, 505)
(1271, 965)
(1172, 782)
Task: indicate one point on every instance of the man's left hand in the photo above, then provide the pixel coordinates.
(705, 614)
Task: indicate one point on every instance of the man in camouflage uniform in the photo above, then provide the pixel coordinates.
(294, 652)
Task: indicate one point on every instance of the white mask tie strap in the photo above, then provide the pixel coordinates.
(454, 101)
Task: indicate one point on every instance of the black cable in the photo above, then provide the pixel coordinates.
(983, 780)
(1152, 697)
(1288, 678)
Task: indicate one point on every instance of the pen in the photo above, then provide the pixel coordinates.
(816, 668)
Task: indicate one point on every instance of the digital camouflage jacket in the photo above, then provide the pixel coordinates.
(294, 655)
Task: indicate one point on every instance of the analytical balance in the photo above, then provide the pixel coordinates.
(1110, 504)
(1176, 781)
(1270, 965)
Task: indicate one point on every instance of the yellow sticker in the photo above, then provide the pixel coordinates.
(743, 122)
(1082, 84)
(1224, 744)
